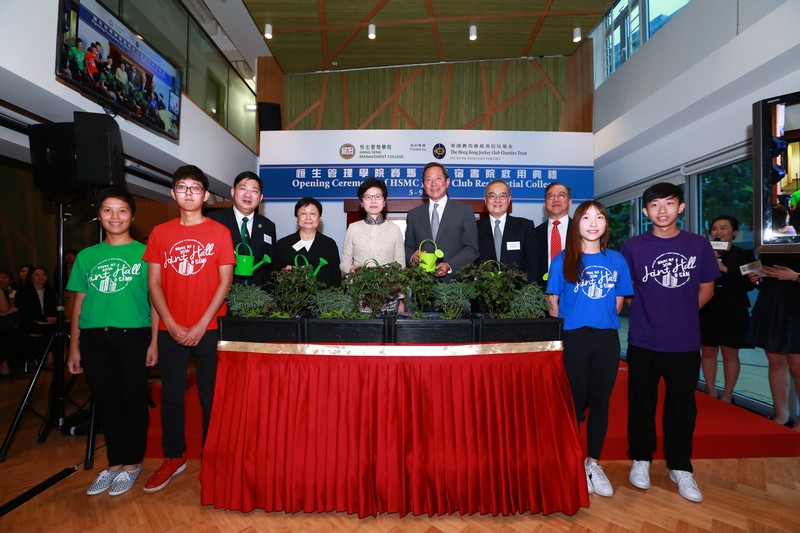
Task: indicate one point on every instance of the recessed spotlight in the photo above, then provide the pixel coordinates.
(473, 32)
(371, 31)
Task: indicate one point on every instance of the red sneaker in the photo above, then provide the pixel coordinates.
(161, 478)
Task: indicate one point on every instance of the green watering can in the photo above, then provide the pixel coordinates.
(244, 263)
(427, 260)
(322, 263)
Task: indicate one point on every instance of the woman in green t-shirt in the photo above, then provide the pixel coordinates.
(112, 340)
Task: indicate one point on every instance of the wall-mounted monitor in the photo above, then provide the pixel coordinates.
(776, 174)
(108, 62)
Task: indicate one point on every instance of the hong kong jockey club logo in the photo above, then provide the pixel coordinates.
(113, 275)
(596, 282)
(188, 257)
(439, 151)
(670, 270)
(347, 151)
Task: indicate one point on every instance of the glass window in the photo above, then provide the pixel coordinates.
(660, 11)
(620, 223)
(623, 27)
(208, 75)
(162, 23)
(242, 110)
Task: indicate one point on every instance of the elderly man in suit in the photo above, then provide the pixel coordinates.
(449, 223)
(505, 238)
(552, 236)
(247, 225)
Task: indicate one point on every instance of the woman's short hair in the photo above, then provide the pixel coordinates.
(307, 200)
(370, 183)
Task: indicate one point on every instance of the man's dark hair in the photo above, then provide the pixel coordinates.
(307, 200)
(370, 183)
(190, 171)
(731, 220)
(662, 190)
(247, 175)
(434, 164)
(115, 192)
(553, 184)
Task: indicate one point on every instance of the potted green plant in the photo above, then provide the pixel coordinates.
(249, 307)
(494, 285)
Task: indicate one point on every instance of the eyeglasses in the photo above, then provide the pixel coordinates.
(194, 189)
(369, 197)
(496, 195)
(559, 195)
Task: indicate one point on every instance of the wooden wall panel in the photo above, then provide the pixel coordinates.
(545, 94)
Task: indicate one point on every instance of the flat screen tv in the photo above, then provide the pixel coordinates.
(776, 174)
(108, 62)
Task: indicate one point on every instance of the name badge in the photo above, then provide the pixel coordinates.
(267, 239)
(513, 245)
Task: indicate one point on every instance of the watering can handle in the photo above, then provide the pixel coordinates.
(304, 259)
(248, 247)
(435, 246)
(371, 260)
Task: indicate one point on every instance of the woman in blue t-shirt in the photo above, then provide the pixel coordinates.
(586, 287)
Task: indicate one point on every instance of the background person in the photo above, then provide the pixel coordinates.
(557, 201)
(112, 339)
(775, 327)
(724, 319)
(517, 242)
(587, 286)
(311, 243)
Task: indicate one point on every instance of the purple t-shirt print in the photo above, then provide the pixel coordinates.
(667, 274)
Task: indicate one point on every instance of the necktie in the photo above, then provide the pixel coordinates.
(435, 221)
(245, 233)
(555, 241)
(498, 239)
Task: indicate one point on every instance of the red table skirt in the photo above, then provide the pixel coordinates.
(368, 430)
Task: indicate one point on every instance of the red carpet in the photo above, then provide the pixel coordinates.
(722, 430)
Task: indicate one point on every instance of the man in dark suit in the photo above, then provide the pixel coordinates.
(449, 223)
(515, 235)
(260, 230)
(557, 201)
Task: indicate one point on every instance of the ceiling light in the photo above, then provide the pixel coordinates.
(473, 32)
(576, 34)
(371, 31)
(268, 31)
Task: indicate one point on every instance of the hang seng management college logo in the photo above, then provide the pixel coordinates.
(596, 282)
(188, 257)
(670, 270)
(113, 275)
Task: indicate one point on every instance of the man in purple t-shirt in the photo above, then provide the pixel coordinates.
(673, 275)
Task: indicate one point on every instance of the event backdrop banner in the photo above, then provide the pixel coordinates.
(330, 165)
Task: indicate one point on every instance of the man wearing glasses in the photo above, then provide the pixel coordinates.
(190, 270)
(247, 225)
(505, 238)
(552, 236)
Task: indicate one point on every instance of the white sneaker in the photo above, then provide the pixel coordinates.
(640, 474)
(598, 481)
(588, 479)
(687, 487)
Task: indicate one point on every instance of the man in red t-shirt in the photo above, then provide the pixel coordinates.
(191, 269)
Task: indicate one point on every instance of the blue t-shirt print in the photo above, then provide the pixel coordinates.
(597, 281)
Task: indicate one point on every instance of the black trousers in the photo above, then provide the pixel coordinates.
(113, 361)
(679, 370)
(173, 361)
(591, 359)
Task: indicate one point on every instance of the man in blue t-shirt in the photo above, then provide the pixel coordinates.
(673, 275)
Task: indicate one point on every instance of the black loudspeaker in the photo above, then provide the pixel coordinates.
(98, 150)
(71, 157)
(269, 116)
(53, 157)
